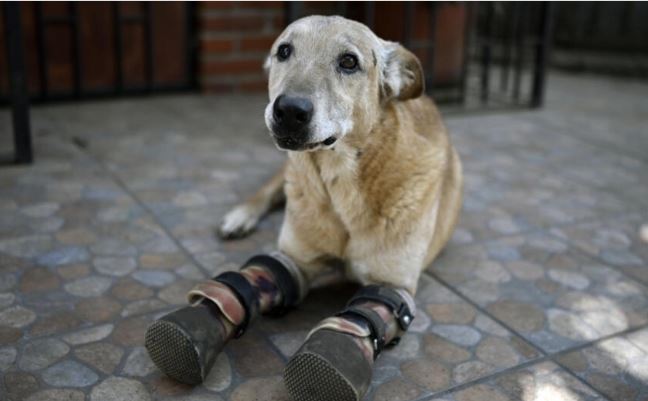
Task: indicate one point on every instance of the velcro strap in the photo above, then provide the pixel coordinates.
(246, 294)
(283, 280)
(374, 321)
(388, 297)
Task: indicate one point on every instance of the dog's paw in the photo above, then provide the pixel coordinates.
(238, 222)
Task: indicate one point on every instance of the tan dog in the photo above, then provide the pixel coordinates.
(371, 177)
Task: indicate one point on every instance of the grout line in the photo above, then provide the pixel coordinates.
(545, 356)
(120, 183)
(483, 379)
(547, 229)
(483, 311)
(531, 362)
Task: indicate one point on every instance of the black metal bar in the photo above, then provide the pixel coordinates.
(341, 8)
(469, 28)
(118, 50)
(77, 62)
(58, 19)
(409, 22)
(191, 44)
(149, 51)
(519, 52)
(542, 55)
(487, 53)
(293, 10)
(508, 47)
(18, 83)
(41, 49)
(432, 47)
(133, 19)
(370, 14)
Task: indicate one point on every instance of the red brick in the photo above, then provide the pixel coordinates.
(257, 42)
(221, 67)
(209, 45)
(217, 88)
(254, 86)
(265, 5)
(249, 23)
(217, 5)
(278, 23)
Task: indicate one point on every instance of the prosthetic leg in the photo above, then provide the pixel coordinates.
(336, 360)
(184, 344)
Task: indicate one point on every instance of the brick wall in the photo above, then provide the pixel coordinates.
(235, 38)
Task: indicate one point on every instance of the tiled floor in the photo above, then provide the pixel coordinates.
(541, 295)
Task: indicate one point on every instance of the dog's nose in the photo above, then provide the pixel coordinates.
(292, 114)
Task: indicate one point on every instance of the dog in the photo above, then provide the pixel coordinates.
(371, 177)
(371, 180)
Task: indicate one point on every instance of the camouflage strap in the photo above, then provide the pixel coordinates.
(373, 321)
(341, 325)
(399, 302)
(247, 296)
(222, 296)
(287, 285)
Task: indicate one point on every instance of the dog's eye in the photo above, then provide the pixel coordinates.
(284, 52)
(348, 62)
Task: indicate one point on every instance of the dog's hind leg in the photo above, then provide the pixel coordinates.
(184, 344)
(336, 360)
(241, 220)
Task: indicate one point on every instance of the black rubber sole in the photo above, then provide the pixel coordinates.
(328, 367)
(173, 352)
(184, 344)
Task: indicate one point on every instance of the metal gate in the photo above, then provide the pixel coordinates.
(55, 49)
(504, 46)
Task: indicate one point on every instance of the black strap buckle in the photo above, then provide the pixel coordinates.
(390, 298)
(245, 293)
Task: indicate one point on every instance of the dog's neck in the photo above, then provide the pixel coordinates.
(354, 152)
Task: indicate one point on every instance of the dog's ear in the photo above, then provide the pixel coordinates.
(402, 74)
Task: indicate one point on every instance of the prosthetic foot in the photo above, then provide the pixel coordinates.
(184, 344)
(336, 360)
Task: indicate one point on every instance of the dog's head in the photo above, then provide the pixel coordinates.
(329, 77)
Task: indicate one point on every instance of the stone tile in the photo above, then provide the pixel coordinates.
(130, 331)
(615, 367)
(103, 357)
(7, 357)
(616, 242)
(57, 395)
(54, 323)
(17, 316)
(76, 252)
(548, 292)
(261, 389)
(69, 374)
(97, 310)
(89, 335)
(40, 354)
(20, 385)
(539, 382)
(445, 354)
(252, 356)
(396, 390)
(119, 389)
(8, 335)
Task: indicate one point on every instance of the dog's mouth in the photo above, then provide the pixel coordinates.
(288, 143)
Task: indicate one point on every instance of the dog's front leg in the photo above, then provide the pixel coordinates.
(336, 360)
(184, 344)
(242, 219)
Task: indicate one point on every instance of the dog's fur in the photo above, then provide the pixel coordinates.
(386, 196)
